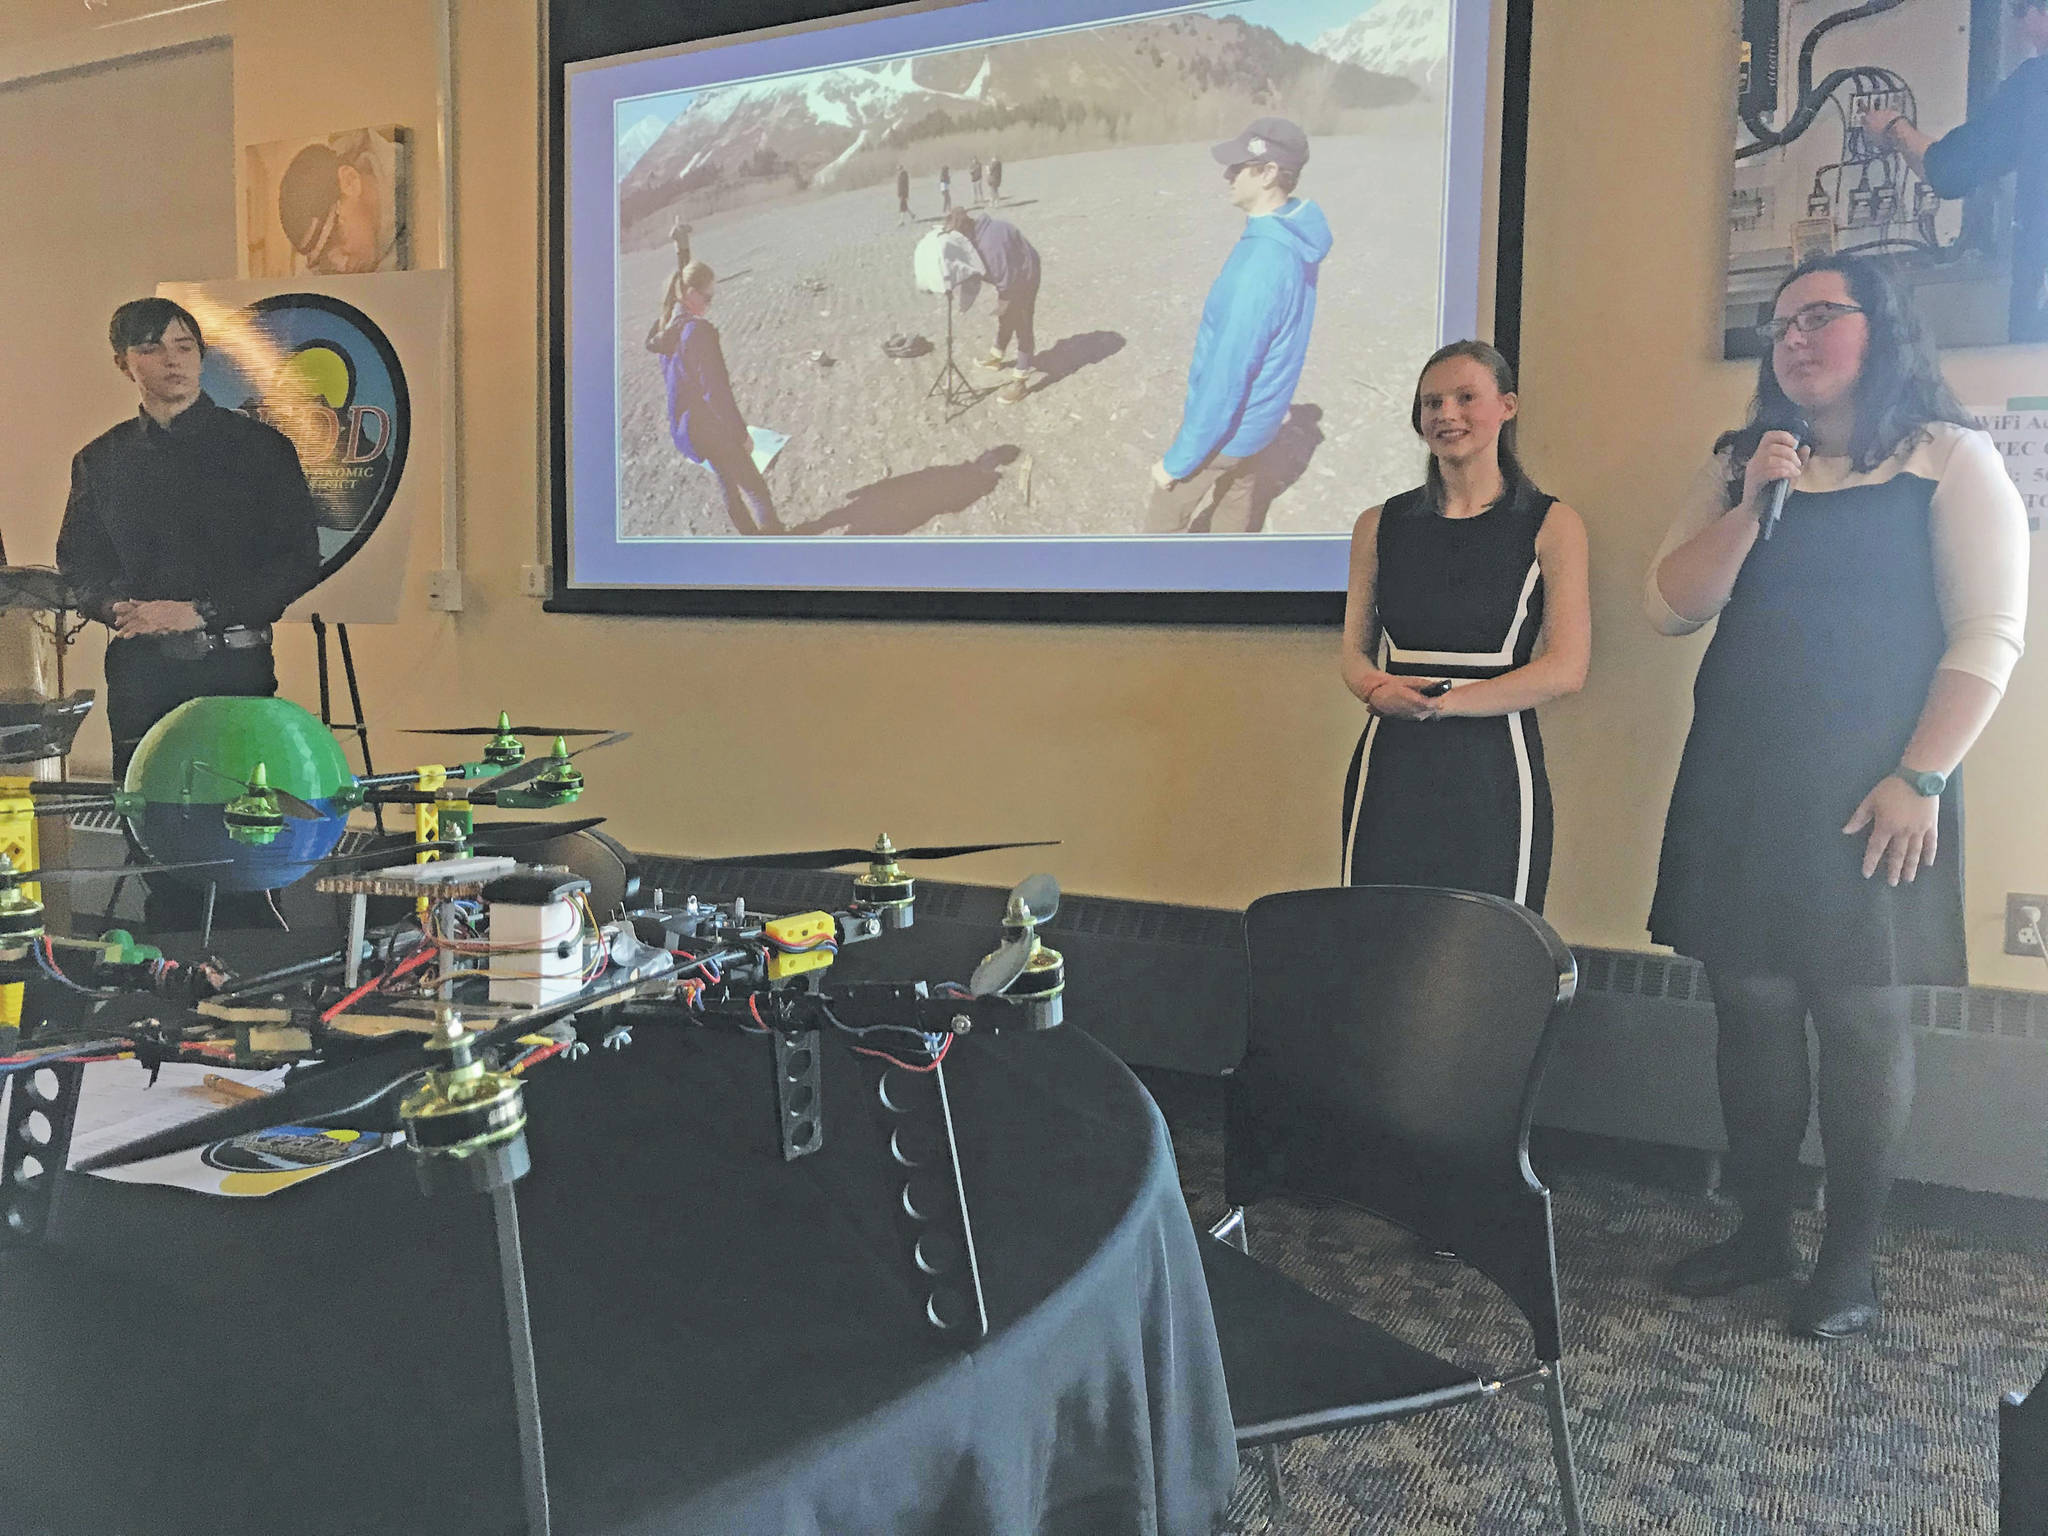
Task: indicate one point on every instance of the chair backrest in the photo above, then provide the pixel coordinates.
(1398, 1038)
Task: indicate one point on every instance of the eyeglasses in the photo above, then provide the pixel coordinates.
(1805, 320)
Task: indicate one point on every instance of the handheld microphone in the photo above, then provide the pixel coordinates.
(1794, 423)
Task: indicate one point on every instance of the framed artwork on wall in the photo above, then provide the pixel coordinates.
(1905, 130)
(342, 203)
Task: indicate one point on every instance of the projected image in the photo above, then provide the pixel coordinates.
(1892, 130)
(1162, 277)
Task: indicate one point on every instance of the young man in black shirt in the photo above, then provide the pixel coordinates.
(189, 530)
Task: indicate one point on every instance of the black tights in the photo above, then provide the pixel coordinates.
(1866, 1095)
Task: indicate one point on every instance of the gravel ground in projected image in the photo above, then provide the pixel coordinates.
(1131, 239)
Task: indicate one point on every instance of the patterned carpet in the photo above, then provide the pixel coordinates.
(1692, 1418)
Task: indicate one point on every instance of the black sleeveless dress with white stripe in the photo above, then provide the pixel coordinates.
(1454, 802)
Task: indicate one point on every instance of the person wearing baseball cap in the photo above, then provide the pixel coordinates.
(330, 204)
(1252, 339)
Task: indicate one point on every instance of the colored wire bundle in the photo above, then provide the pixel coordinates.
(411, 962)
(46, 962)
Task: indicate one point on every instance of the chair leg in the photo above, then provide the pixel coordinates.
(1561, 1448)
(1270, 1454)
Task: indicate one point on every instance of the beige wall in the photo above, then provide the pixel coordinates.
(1193, 765)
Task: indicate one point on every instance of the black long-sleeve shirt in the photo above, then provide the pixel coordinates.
(2009, 133)
(213, 508)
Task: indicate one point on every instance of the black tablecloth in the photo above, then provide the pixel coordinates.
(727, 1343)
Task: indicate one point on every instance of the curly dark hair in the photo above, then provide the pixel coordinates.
(1515, 481)
(1899, 391)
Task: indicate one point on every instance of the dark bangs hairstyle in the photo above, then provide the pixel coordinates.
(141, 323)
(1515, 481)
(1899, 391)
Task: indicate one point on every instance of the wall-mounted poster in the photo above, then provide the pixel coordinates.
(342, 203)
(349, 369)
(1915, 131)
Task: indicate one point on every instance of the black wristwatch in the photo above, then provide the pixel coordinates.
(209, 616)
(1928, 784)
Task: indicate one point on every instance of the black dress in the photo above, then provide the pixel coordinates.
(1454, 802)
(1811, 688)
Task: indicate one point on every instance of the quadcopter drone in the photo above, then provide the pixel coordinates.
(427, 1024)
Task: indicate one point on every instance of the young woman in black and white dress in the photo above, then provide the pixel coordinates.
(1467, 608)
(1813, 852)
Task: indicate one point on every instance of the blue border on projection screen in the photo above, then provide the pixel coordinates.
(1211, 562)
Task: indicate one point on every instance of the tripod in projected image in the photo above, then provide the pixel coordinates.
(952, 385)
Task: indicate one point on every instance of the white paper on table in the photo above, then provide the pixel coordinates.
(118, 1105)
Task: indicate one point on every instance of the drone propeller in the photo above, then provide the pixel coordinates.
(492, 835)
(1041, 893)
(534, 767)
(71, 786)
(289, 803)
(507, 730)
(9, 876)
(1038, 897)
(832, 858)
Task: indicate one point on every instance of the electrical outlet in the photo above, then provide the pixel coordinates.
(444, 591)
(2017, 922)
(536, 581)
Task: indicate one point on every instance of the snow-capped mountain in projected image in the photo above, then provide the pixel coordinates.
(635, 142)
(1410, 38)
(1082, 89)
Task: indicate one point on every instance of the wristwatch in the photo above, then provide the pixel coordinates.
(1928, 784)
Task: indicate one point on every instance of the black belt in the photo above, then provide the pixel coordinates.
(197, 644)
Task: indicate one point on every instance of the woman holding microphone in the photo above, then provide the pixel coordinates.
(1812, 853)
(1467, 608)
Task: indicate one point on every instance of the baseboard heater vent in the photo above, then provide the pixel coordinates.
(2006, 1012)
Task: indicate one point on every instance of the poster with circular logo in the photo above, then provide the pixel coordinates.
(320, 371)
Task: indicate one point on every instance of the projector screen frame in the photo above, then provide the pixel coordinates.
(579, 31)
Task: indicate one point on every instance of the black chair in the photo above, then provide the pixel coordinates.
(1398, 1036)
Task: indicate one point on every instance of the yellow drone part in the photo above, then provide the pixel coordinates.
(18, 843)
(799, 932)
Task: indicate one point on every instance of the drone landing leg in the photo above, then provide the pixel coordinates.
(978, 1324)
(799, 1094)
(358, 917)
(27, 1200)
(931, 1200)
(525, 1378)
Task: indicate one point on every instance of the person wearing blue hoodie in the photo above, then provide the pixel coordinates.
(1252, 340)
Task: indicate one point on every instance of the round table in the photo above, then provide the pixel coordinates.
(727, 1342)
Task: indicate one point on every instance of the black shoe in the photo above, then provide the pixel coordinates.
(1732, 1264)
(1826, 1310)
